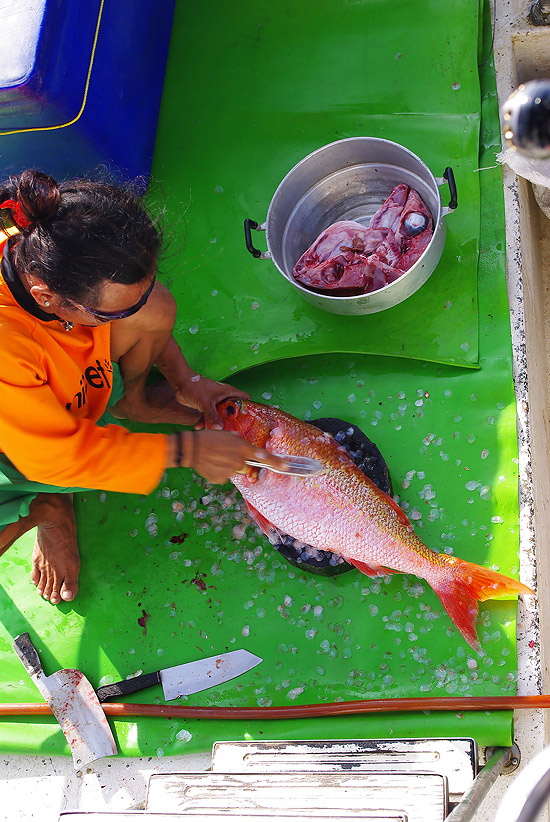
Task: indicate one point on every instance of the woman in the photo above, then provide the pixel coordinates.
(82, 321)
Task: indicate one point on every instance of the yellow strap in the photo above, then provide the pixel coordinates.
(70, 123)
(8, 232)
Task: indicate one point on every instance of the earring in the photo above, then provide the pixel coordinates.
(47, 304)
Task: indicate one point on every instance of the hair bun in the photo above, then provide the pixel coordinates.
(38, 195)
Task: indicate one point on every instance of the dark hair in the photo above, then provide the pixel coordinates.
(80, 233)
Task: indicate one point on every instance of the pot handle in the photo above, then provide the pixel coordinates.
(448, 177)
(248, 225)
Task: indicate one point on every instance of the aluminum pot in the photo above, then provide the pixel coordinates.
(349, 180)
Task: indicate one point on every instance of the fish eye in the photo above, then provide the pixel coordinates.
(233, 407)
(415, 223)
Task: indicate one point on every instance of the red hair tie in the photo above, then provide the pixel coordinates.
(20, 220)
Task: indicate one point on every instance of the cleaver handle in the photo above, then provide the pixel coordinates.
(26, 652)
(128, 686)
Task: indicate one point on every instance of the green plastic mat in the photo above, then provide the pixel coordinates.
(182, 574)
(153, 596)
(274, 84)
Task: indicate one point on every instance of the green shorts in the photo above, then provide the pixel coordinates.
(17, 492)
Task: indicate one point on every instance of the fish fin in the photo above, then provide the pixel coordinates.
(465, 585)
(272, 533)
(401, 516)
(370, 570)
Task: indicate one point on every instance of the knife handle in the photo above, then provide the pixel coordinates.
(26, 652)
(128, 686)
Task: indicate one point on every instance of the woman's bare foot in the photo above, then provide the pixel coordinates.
(55, 559)
(156, 403)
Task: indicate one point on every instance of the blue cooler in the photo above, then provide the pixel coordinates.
(81, 84)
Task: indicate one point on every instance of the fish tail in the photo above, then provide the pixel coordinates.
(464, 586)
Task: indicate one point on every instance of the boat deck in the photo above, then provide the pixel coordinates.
(39, 787)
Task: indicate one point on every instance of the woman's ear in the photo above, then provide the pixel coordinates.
(41, 293)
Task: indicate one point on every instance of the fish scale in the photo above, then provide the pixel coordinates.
(342, 511)
(337, 512)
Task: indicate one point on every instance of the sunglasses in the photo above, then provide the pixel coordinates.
(107, 316)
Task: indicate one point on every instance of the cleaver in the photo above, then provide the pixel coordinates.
(186, 679)
(74, 703)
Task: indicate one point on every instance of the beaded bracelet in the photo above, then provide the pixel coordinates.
(180, 453)
(193, 435)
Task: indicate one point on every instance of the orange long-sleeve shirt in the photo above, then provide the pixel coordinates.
(54, 386)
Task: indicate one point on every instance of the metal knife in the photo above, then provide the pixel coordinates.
(299, 466)
(189, 678)
(74, 703)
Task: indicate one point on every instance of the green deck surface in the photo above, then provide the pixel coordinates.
(246, 97)
(274, 83)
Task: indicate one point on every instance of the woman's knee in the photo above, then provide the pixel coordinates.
(159, 312)
(150, 327)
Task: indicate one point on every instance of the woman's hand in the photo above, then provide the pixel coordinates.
(194, 390)
(204, 394)
(216, 455)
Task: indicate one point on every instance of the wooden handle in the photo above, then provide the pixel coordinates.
(360, 706)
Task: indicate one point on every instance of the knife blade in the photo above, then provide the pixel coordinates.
(74, 704)
(186, 679)
(298, 466)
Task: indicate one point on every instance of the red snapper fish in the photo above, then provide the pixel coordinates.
(342, 511)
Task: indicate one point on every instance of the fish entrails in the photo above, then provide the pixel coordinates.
(348, 258)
